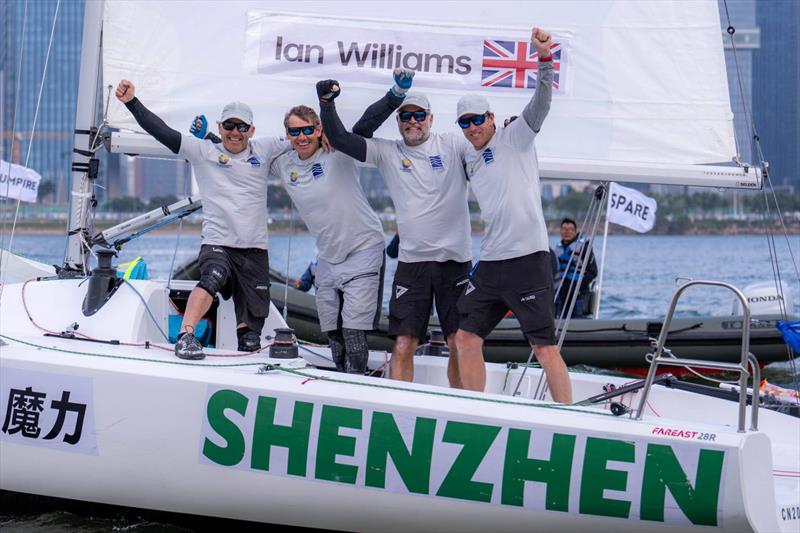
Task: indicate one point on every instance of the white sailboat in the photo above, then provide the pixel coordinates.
(96, 407)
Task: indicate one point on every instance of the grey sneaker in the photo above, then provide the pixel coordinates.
(250, 342)
(188, 347)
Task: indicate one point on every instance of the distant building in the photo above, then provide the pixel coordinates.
(746, 40)
(776, 88)
(29, 24)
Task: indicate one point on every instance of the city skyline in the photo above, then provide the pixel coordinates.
(765, 86)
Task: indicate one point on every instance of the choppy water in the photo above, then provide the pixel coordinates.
(639, 279)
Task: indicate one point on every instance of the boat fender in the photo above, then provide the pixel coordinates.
(103, 283)
(284, 346)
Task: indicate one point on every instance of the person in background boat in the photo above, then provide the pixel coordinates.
(425, 176)
(572, 252)
(393, 248)
(349, 236)
(232, 179)
(514, 271)
(306, 281)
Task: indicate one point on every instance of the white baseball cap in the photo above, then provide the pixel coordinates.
(472, 104)
(416, 99)
(237, 110)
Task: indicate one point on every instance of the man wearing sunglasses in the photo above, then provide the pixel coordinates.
(514, 271)
(324, 187)
(232, 177)
(425, 176)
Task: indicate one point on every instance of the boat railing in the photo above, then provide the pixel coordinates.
(747, 359)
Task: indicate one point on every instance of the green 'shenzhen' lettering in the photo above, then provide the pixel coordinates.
(662, 471)
(555, 473)
(410, 443)
(386, 441)
(330, 444)
(266, 434)
(477, 439)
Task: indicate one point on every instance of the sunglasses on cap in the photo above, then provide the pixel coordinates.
(419, 116)
(240, 126)
(474, 119)
(305, 130)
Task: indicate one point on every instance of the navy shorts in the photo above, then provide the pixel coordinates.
(522, 284)
(245, 276)
(416, 286)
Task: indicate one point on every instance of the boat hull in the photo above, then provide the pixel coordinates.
(248, 437)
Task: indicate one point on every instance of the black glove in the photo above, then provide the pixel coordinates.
(327, 90)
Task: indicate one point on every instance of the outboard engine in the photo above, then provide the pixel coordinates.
(763, 299)
(102, 283)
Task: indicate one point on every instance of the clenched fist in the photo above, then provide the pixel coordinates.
(125, 91)
(328, 90)
(541, 40)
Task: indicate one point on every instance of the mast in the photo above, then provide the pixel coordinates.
(84, 164)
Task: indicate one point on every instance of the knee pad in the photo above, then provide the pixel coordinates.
(213, 279)
(356, 350)
(336, 343)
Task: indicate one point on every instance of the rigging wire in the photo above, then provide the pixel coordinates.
(756, 144)
(288, 262)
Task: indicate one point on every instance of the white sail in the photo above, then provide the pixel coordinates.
(641, 84)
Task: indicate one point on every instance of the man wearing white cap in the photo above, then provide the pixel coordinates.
(425, 176)
(514, 271)
(232, 178)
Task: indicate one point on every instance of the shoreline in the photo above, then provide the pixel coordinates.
(552, 229)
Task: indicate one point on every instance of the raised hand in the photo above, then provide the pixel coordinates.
(328, 90)
(199, 127)
(541, 40)
(402, 81)
(125, 91)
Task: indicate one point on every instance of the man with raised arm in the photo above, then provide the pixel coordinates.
(425, 175)
(514, 271)
(349, 236)
(232, 177)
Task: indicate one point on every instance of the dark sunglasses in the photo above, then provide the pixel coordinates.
(240, 126)
(419, 116)
(305, 130)
(474, 119)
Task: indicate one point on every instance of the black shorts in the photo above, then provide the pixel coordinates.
(246, 278)
(523, 284)
(416, 286)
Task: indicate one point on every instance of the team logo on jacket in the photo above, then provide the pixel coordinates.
(317, 171)
(488, 156)
(406, 164)
(253, 160)
(293, 176)
(224, 160)
(436, 162)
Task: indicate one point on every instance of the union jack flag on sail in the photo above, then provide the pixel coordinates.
(515, 64)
